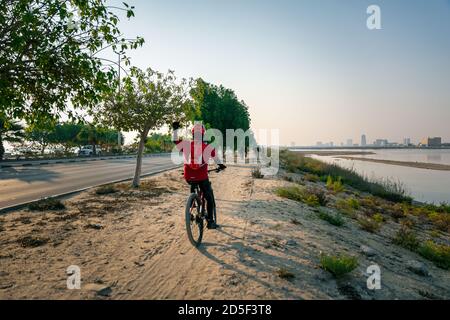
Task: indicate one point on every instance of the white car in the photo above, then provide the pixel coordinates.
(89, 151)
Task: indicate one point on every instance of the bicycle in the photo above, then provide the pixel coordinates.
(196, 213)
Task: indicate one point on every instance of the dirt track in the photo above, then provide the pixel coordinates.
(132, 245)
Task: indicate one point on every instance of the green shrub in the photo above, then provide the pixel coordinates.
(335, 185)
(292, 193)
(407, 239)
(311, 196)
(338, 265)
(386, 189)
(318, 193)
(439, 254)
(47, 204)
(440, 220)
(108, 189)
(369, 224)
(335, 220)
(312, 177)
(353, 203)
(311, 200)
(378, 217)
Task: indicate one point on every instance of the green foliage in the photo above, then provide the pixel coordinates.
(292, 193)
(311, 196)
(148, 100)
(295, 162)
(353, 203)
(335, 220)
(407, 239)
(378, 217)
(335, 185)
(338, 265)
(318, 194)
(439, 254)
(10, 131)
(369, 224)
(312, 177)
(219, 108)
(156, 143)
(50, 55)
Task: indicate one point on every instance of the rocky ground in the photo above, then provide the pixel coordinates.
(132, 244)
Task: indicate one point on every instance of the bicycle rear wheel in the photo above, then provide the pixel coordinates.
(194, 220)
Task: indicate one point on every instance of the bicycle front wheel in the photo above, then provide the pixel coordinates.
(194, 220)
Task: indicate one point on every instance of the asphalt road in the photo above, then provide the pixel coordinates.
(24, 184)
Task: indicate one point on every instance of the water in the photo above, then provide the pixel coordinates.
(423, 185)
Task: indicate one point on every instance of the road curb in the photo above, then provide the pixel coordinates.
(70, 193)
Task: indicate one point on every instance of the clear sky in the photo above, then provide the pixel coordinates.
(311, 68)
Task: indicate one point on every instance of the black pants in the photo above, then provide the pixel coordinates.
(205, 186)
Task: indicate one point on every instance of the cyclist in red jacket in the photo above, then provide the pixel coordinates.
(196, 154)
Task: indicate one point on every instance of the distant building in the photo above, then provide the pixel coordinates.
(319, 144)
(407, 141)
(431, 142)
(381, 143)
(350, 142)
(363, 140)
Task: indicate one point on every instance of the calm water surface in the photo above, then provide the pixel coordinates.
(422, 184)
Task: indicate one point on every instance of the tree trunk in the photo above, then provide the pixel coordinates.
(137, 172)
(2, 149)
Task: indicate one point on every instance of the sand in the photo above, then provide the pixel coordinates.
(133, 245)
(420, 165)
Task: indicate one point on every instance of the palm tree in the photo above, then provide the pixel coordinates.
(10, 131)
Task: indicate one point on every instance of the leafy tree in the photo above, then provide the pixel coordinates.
(157, 142)
(219, 107)
(67, 135)
(90, 134)
(148, 100)
(10, 131)
(43, 136)
(49, 55)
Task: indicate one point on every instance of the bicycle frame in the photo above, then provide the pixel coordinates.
(195, 188)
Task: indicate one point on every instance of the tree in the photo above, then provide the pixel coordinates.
(219, 107)
(49, 55)
(105, 137)
(10, 131)
(67, 135)
(148, 100)
(43, 136)
(158, 142)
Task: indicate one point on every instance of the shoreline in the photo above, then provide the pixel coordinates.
(334, 153)
(419, 165)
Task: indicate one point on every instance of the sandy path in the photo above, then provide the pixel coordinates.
(133, 245)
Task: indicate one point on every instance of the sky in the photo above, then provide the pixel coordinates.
(310, 68)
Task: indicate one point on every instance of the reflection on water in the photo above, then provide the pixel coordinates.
(422, 184)
(434, 158)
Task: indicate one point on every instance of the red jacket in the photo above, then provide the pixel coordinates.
(196, 156)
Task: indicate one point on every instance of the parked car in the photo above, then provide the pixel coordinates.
(88, 151)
